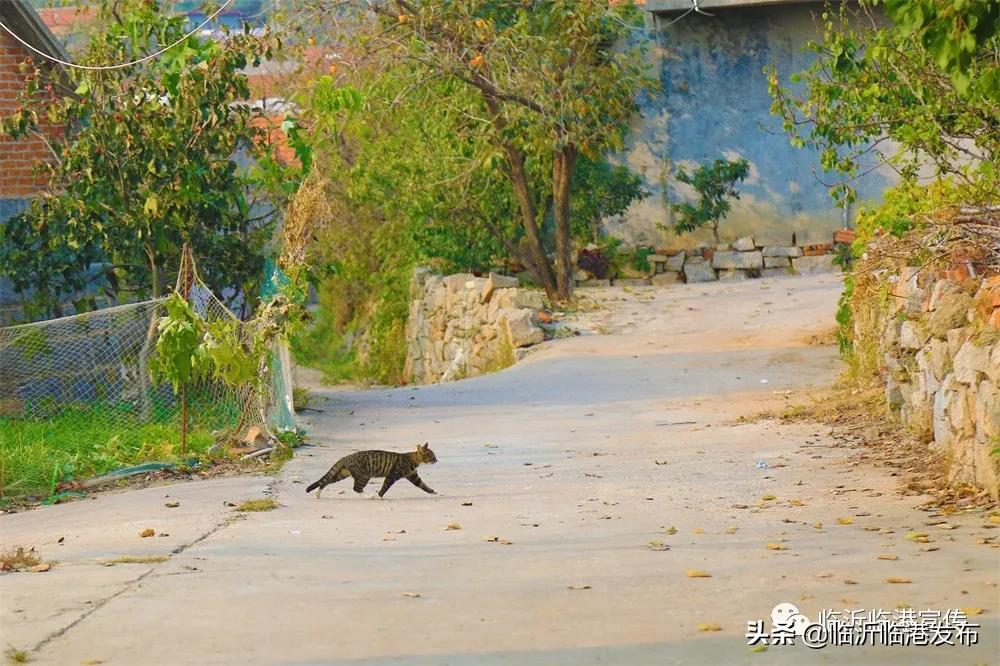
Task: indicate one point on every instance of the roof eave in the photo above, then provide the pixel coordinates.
(28, 25)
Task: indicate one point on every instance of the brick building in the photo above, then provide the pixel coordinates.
(18, 180)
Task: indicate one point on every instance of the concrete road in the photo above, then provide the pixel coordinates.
(587, 482)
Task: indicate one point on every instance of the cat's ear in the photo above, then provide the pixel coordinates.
(424, 447)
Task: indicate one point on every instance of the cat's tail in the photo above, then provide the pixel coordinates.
(333, 475)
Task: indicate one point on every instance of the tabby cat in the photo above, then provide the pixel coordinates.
(365, 465)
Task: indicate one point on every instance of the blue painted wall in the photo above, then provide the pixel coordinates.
(714, 103)
(10, 302)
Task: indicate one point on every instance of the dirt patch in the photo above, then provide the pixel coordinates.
(858, 420)
(823, 338)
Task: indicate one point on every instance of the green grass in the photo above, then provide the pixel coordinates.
(38, 453)
(132, 559)
(15, 656)
(262, 504)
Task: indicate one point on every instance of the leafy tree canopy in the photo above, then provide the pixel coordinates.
(144, 159)
(922, 90)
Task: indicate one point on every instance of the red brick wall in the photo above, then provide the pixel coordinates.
(17, 158)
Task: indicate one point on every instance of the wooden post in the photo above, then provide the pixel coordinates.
(185, 280)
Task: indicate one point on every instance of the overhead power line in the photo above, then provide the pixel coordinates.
(123, 64)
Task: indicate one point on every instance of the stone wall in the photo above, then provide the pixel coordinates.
(940, 360)
(461, 325)
(762, 255)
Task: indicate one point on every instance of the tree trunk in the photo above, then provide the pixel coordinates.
(518, 176)
(562, 175)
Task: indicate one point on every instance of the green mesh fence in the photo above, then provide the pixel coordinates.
(76, 398)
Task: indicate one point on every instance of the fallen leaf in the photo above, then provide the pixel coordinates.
(709, 626)
(818, 526)
(795, 502)
(971, 610)
(775, 546)
(848, 581)
(731, 530)
(886, 556)
(845, 521)
(661, 462)
(948, 526)
(698, 573)
(577, 587)
(918, 537)
(824, 575)
(929, 549)
(148, 532)
(899, 580)
(657, 545)
(697, 530)
(768, 498)
(671, 530)
(995, 520)
(759, 648)
(38, 568)
(172, 505)
(466, 503)
(412, 595)
(453, 526)
(494, 539)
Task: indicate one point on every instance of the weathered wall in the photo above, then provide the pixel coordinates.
(462, 326)
(940, 360)
(714, 103)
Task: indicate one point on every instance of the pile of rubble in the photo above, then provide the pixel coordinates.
(748, 257)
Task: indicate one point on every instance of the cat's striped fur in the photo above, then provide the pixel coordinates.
(366, 465)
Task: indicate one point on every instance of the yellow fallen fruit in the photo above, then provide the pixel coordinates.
(919, 537)
(148, 532)
(845, 521)
(709, 626)
(899, 580)
(885, 556)
(775, 546)
(972, 611)
(698, 573)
